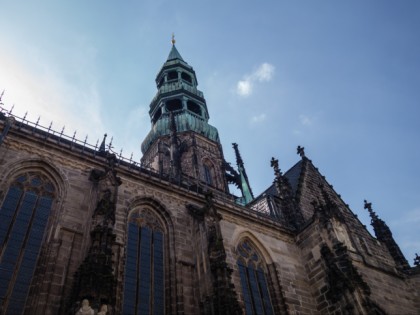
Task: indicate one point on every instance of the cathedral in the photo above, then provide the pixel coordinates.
(86, 231)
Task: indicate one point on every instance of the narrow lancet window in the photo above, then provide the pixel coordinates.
(144, 270)
(23, 219)
(255, 292)
(207, 175)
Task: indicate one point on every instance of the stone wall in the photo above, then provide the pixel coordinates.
(300, 266)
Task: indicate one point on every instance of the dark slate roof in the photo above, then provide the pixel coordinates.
(174, 54)
(292, 175)
(270, 190)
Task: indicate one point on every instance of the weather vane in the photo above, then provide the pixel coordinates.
(173, 39)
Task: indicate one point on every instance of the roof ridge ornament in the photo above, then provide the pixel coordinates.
(384, 235)
(368, 207)
(102, 146)
(245, 187)
(173, 39)
(417, 260)
(275, 165)
(301, 151)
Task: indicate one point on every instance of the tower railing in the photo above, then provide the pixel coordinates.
(173, 86)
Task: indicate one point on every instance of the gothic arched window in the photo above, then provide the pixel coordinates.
(23, 218)
(207, 175)
(253, 280)
(144, 289)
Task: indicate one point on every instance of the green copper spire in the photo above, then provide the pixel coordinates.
(245, 187)
(178, 94)
(174, 54)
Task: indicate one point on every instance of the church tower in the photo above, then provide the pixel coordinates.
(181, 143)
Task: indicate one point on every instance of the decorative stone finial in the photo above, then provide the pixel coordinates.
(417, 260)
(368, 206)
(242, 177)
(85, 309)
(275, 165)
(301, 151)
(173, 39)
(104, 310)
(102, 147)
(239, 160)
(384, 235)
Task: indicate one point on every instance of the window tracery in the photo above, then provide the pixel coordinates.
(23, 218)
(144, 289)
(252, 272)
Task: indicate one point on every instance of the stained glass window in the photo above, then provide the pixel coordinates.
(144, 269)
(23, 218)
(253, 280)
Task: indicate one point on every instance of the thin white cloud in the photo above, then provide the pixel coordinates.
(263, 73)
(305, 120)
(244, 87)
(304, 123)
(258, 118)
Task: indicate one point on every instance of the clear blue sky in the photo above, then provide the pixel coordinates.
(341, 78)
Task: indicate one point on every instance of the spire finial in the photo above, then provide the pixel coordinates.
(373, 215)
(301, 151)
(417, 260)
(239, 160)
(384, 235)
(275, 165)
(173, 39)
(368, 205)
(243, 177)
(102, 146)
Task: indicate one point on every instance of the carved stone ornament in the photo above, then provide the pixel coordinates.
(85, 309)
(342, 277)
(103, 310)
(145, 217)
